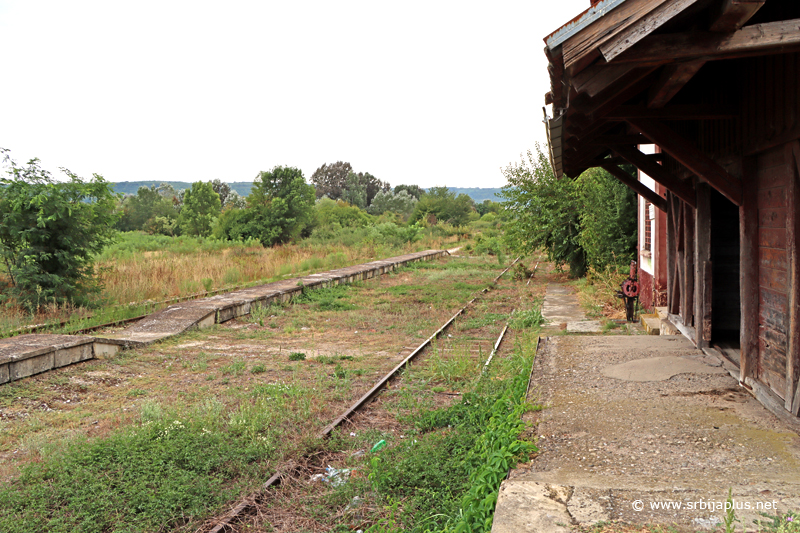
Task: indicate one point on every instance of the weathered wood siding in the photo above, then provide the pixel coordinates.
(773, 317)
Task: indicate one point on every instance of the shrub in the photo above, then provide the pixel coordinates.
(50, 232)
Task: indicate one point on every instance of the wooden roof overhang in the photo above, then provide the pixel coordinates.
(616, 67)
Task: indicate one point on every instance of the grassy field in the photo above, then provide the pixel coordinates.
(142, 273)
(159, 439)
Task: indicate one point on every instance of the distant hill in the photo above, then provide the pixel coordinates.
(130, 187)
(478, 194)
(243, 188)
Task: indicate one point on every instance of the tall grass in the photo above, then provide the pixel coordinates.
(140, 271)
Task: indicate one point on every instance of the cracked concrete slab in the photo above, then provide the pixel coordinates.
(560, 305)
(659, 452)
(531, 507)
(585, 326)
(661, 368)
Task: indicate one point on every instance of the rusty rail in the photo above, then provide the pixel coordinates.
(276, 478)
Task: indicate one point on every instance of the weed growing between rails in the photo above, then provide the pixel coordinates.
(445, 475)
(330, 347)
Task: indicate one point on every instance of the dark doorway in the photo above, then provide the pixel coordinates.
(725, 303)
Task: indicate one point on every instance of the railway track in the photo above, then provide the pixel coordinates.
(227, 522)
(357, 341)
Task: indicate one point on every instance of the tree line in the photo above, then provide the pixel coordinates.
(50, 230)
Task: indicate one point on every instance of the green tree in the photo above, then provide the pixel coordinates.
(440, 204)
(330, 180)
(488, 206)
(280, 207)
(545, 212)
(608, 219)
(338, 212)
(201, 207)
(50, 232)
(590, 220)
(373, 186)
(355, 190)
(414, 190)
(140, 210)
(387, 201)
(222, 189)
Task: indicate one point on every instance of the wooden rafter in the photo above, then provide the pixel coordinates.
(643, 27)
(733, 14)
(692, 158)
(595, 79)
(637, 186)
(672, 79)
(758, 39)
(680, 188)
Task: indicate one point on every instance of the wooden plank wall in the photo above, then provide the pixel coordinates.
(773, 317)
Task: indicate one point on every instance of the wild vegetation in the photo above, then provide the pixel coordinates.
(50, 232)
(587, 222)
(205, 238)
(156, 439)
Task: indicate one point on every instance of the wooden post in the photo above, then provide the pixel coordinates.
(748, 270)
(687, 291)
(670, 252)
(702, 266)
(792, 249)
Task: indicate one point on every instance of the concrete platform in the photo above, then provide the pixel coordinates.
(26, 355)
(632, 423)
(560, 306)
(585, 326)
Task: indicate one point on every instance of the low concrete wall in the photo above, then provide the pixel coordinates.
(31, 354)
(26, 355)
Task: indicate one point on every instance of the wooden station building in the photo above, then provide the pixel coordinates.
(713, 85)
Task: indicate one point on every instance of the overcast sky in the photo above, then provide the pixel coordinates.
(427, 93)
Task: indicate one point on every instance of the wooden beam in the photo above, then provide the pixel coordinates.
(793, 251)
(733, 14)
(758, 39)
(638, 187)
(676, 112)
(687, 292)
(690, 157)
(673, 78)
(676, 208)
(680, 188)
(643, 27)
(670, 252)
(702, 267)
(585, 43)
(748, 270)
(595, 79)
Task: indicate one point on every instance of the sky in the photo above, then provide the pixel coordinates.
(427, 93)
